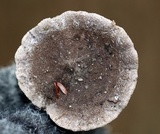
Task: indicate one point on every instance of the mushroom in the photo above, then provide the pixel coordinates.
(80, 67)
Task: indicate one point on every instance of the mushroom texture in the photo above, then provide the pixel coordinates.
(80, 67)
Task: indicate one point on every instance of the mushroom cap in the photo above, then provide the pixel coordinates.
(90, 56)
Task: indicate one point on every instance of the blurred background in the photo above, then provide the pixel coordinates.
(140, 19)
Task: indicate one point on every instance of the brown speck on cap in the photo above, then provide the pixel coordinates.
(92, 57)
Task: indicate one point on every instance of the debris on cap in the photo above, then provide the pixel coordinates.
(91, 58)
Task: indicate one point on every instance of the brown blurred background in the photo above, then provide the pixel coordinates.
(140, 19)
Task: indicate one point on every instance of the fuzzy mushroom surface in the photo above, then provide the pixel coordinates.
(80, 67)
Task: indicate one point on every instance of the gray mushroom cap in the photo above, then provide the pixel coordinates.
(92, 57)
